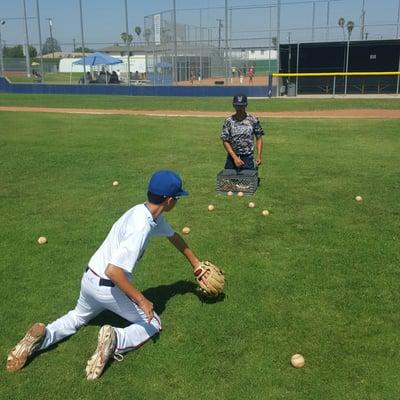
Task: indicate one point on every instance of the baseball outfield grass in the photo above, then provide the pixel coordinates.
(189, 103)
(319, 276)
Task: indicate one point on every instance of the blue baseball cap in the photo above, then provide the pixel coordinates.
(167, 184)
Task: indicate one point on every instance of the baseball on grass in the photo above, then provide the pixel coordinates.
(251, 205)
(265, 213)
(359, 198)
(42, 240)
(115, 183)
(185, 230)
(211, 207)
(297, 361)
(230, 193)
(240, 194)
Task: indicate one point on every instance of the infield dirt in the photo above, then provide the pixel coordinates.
(323, 114)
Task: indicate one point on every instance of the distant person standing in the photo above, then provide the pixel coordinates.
(192, 77)
(233, 70)
(237, 135)
(250, 74)
(240, 74)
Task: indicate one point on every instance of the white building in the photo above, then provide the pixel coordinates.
(254, 53)
(137, 63)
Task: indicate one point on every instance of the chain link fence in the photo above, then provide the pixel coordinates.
(227, 44)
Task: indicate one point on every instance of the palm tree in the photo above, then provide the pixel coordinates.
(126, 38)
(138, 31)
(350, 27)
(341, 23)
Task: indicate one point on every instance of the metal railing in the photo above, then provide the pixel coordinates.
(333, 83)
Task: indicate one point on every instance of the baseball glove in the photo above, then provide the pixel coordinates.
(210, 279)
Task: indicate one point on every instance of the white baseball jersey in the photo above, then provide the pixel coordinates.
(128, 239)
(123, 247)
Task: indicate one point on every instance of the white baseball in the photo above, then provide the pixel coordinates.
(211, 207)
(359, 198)
(185, 230)
(240, 194)
(297, 361)
(115, 183)
(265, 213)
(251, 205)
(230, 193)
(42, 240)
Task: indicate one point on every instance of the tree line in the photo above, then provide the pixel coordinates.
(50, 45)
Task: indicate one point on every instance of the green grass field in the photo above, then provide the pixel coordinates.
(188, 103)
(319, 276)
(53, 78)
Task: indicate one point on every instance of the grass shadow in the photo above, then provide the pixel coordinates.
(159, 296)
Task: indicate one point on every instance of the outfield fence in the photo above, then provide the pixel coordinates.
(218, 43)
(332, 83)
(124, 90)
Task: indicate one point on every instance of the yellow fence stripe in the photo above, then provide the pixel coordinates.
(311, 74)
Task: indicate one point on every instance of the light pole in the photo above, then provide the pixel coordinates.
(289, 53)
(363, 20)
(341, 23)
(128, 43)
(270, 37)
(40, 40)
(219, 32)
(2, 22)
(201, 44)
(51, 35)
(350, 27)
(278, 42)
(328, 8)
(175, 63)
(226, 41)
(313, 22)
(28, 62)
(83, 43)
(398, 20)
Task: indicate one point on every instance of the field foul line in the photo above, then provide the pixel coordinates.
(326, 114)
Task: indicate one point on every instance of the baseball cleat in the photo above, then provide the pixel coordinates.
(19, 355)
(107, 341)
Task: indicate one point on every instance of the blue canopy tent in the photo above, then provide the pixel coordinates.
(97, 58)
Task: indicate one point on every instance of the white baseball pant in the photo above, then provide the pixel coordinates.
(93, 299)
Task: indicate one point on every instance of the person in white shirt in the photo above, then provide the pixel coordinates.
(107, 283)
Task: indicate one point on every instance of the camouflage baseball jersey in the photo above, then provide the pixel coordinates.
(239, 134)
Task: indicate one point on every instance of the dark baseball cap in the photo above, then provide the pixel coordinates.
(166, 184)
(240, 100)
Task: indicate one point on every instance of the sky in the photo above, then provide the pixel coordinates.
(252, 23)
